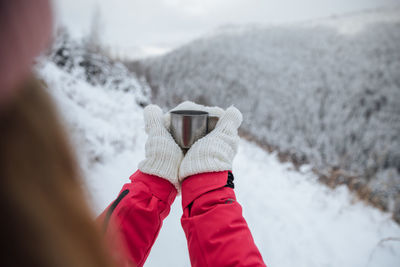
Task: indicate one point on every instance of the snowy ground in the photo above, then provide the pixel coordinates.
(295, 220)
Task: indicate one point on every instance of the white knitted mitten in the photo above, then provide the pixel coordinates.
(215, 151)
(163, 155)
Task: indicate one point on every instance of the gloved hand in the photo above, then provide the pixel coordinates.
(163, 155)
(215, 151)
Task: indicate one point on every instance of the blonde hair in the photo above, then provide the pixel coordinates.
(45, 220)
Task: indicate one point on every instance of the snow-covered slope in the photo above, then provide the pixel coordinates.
(295, 220)
(103, 124)
(325, 92)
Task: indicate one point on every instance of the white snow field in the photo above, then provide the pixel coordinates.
(295, 221)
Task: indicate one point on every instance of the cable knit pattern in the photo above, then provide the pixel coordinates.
(215, 151)
(163, 155)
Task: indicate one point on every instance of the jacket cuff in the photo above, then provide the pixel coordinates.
(198, 184)
(159, 187)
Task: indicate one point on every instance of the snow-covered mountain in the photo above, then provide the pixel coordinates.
(294, 219)
(325, 92)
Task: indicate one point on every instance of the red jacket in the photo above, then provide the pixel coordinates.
(216, 232)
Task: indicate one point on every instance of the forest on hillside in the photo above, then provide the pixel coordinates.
(321, 97)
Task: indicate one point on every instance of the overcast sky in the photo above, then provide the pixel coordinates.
(134, 28)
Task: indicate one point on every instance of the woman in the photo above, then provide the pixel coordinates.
(45, 219)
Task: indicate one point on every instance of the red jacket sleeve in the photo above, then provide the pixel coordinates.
(132, 222)
(216, 232)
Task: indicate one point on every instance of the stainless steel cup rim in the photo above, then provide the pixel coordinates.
(189, 112)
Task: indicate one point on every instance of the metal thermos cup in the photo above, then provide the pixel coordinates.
(187, 126)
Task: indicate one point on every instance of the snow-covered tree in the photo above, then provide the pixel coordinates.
(320, 96)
